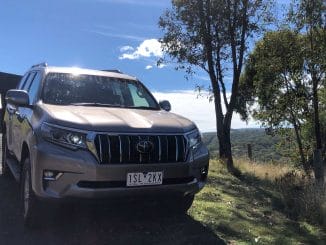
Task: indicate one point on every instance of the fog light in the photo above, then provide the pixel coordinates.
(75, 139)
(48, 174)
(51, 175)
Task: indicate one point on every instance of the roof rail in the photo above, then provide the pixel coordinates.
(114, 70)
(43, 64)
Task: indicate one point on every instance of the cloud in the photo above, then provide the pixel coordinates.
(126, 48)
(148, 67)
(160, 66)
(199, 110)
(116, 35)
(148, 48)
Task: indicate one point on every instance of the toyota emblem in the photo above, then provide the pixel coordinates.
(145, 146)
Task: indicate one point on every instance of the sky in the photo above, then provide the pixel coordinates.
(102, 34)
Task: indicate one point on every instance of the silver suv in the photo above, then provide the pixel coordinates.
(78, 133)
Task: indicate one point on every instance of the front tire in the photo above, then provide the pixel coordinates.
(184, 203)
(179, 204)
(29, 201)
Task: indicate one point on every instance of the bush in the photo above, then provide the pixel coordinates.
(302, 197)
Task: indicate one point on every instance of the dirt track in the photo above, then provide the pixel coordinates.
(99, 223)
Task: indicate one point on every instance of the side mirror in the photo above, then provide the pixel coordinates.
(17, 97)
(165, 105)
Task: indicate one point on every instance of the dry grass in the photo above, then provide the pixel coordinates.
(248, 210)
(301, 196)
(264, 171)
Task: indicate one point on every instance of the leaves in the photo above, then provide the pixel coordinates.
(276, 85)
(213, 35)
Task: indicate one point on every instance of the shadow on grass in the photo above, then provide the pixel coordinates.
(257, 205)
(128, 222)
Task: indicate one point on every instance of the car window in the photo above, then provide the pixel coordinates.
(137, 95)
(23, 81)
(65, 89)
(34, 87)
(26, 85)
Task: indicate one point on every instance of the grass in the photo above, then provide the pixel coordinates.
(249, 211)
(246, 211)
(263, 171)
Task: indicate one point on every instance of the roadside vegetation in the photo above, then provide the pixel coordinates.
(253, 210)
(278, 196)
(265, 148)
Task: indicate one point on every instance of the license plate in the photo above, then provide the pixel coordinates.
(140, 179)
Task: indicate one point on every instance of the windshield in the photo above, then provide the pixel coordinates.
(71, 89)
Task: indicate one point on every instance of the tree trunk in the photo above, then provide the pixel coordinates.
(300, 146)
(316, 116)
(319, 167)
(225, 149)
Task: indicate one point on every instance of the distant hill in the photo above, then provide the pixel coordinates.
(263, 146)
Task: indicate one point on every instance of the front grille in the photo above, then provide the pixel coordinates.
(113, 149)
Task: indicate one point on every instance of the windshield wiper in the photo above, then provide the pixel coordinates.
(96, 104)
(143, 107)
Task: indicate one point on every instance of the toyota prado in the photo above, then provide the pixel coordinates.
(79, 133)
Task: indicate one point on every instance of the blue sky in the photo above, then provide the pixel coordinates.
(97, 34)
(86, 33)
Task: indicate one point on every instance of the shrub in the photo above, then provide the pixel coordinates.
(302, 197)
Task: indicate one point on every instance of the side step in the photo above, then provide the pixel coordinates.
(14, 167)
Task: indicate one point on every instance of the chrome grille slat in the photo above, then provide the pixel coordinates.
(129, 147)
(159, 148)
(121, 149)
(167, 147)
(140, 155)
(176, 149)
(100, 148)
(109, 143)
(120, 146)
(184, 149)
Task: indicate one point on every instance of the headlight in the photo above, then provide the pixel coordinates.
(66, 137)
(194, 138)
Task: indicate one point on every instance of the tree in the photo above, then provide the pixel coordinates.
(274, 85)
(278, 78)
(309, 17)
(213, 35)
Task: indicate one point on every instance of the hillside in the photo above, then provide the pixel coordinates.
(264, 147)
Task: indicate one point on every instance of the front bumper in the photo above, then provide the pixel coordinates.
(83, 177)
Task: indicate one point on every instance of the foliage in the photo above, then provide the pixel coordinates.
(302, 198)
(250, 211)
(265, 148)
(274, 75)
(277, 90)
(309, 17)
(213, 35)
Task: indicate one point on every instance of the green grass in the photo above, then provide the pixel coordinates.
(249, 212)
